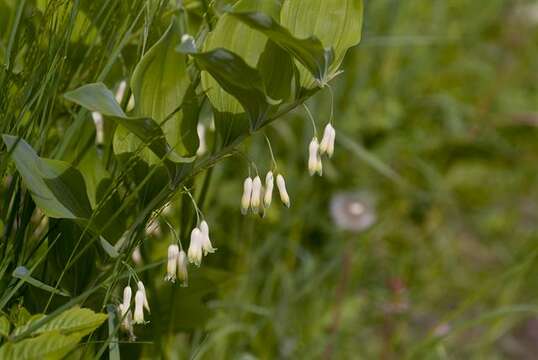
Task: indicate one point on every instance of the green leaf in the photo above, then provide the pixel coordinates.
(309, 52)
(4, 326)
(337, 23)
(75, 320)
(236, 77)
(234, 36)
(97, 97)
(23, 273)
(160, 84)
(57, 188)
(51, 346)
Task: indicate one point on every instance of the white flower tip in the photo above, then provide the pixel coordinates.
(247, 193)
(281, 185)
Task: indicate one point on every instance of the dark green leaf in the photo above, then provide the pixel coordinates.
(23, 273)
(236, 77)
(309, 52)
(57, 188)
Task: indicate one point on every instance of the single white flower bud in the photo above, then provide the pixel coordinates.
(247, 193)
(202, 148)
(143, 289)
(195, 251)
(281, 185)
(256, 194)
(327, 142)
(99, 127)
(121, 91)
(268, 195)
(136, 256)
(206, 242)
(330, 149)
(313, 156)
(171, 266)
(131, 104)
(324, 144)
(127, 294)
(139, 307)
(182, 272)
(126, 317)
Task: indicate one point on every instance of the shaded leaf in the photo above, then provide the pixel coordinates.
(236, 77)
(57, 188)
(23, 273)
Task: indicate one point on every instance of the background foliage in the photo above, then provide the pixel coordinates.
(436, 118)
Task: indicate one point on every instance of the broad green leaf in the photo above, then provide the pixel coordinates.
(4, 326)
(277, 70)
(309, 52)
(97, 97)
(48, 346)
(236, 77)
(76, 320)
(57, 188)
(231, 34)
(23, 273)
(337, 23)
(160, 84)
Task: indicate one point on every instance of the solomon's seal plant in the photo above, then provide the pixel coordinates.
(135, 102)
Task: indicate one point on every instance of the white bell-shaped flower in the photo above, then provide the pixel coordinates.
(313, 156)
(202, 147)
(269, 184)
(99, 127)
(206, 242)
(182, 272)
(283, 192)
(327, 142)
(195, 251)
(171, 266)
(330, 150)
(137, 256)
(255, 199)
(139, 307)
(247, 194)
(127, 294)
(143, 289)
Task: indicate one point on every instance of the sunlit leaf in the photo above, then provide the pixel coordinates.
(4, 326)
(51, 345)
(75, 320)
(337, 23)
(309, 52)
(160, 84)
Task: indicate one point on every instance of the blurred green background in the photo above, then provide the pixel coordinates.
(436, 117)
(419, 241)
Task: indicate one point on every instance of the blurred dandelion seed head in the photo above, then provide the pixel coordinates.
(352, 211)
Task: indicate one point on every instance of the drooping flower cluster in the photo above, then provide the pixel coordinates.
(200, 244)
(255, 195)
(177, 265)
(316, 150)
(140, 303)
